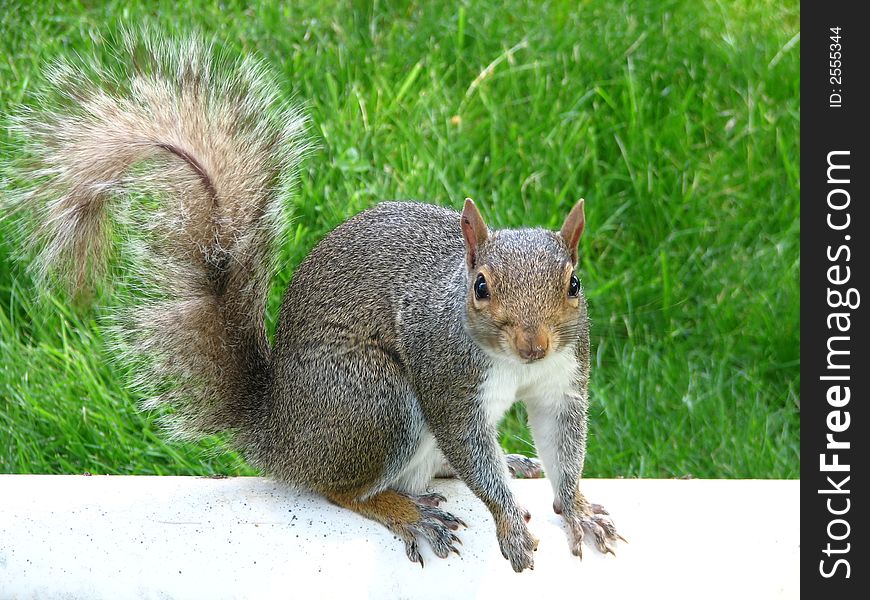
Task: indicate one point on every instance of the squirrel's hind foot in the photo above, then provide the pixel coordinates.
(411, 518)
(524, 467)
(436, 527)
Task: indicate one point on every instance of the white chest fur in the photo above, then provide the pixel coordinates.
(540, 385)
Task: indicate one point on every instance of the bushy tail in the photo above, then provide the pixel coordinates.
(185, 155)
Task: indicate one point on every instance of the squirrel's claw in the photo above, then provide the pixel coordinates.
(413, 550)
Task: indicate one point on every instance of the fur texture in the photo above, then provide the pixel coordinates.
(186, 155)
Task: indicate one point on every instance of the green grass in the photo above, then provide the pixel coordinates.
(677, 121)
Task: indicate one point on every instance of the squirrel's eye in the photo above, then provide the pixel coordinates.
(481, 289)
(573, 287)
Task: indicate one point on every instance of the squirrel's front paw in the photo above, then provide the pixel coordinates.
(517, 544)
(594, 520)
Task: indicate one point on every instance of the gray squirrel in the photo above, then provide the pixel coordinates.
(403, 337)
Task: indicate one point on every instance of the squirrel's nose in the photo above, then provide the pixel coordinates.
(532, 352)
(532, 345)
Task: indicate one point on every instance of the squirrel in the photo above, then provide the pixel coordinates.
(403, 337)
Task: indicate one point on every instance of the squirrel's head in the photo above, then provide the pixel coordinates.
(524, 300)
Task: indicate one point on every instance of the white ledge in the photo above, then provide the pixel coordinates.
(185, 537)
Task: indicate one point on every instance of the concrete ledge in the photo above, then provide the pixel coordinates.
(182, 537)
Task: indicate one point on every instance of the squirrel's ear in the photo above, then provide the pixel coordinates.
(573, 228)
(473, 230)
